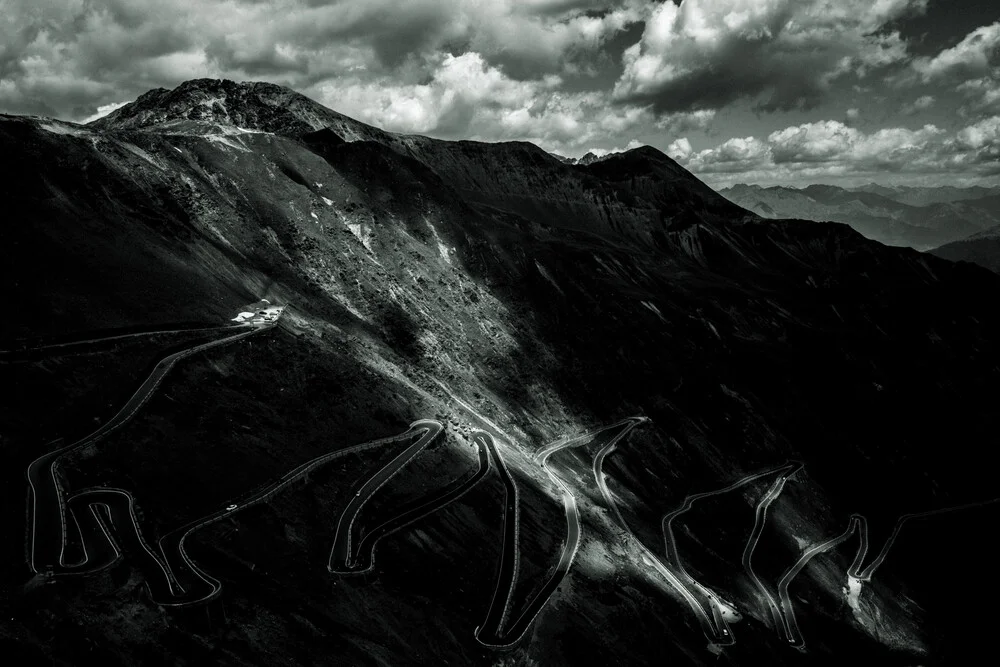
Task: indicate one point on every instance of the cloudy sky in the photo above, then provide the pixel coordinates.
(759, 91)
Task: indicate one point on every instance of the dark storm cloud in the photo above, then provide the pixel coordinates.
(60, 55)
(63, 57)
(944, 23)
(394, 30)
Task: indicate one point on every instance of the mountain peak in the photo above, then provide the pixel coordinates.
(250, 105)
(647, 151)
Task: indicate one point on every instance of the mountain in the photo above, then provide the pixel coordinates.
(875, 211)
(982, 249)
(924, 196)
(207, 106)
(484, 407)
(589, 158)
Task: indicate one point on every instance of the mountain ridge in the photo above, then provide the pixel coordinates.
(480, 288)
(198, 105)
(982, 248)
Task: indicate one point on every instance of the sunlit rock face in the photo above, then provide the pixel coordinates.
(494, 288)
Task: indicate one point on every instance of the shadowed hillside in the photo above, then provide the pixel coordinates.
(493, 287)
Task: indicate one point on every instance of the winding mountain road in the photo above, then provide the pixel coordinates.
(48, 506)
(124, 336)
(789, 624)
(495, 631)
(717, 608)
(364, 560)
(343, 534)
(99, 524)
(713, 624)
(855, 574)
(190, 584)
(760, 516)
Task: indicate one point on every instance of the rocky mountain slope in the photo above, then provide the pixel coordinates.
(486, 287)
(918, 218)
(982, 249)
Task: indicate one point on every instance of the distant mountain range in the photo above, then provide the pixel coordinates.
(589, 158)
(924, 196)
(982, 248)
(921, 218)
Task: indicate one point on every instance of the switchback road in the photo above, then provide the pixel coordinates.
(713, 625)
(495, 631)
(190, 584)
(719, 611)
(364, 558)
(758, 527)
(48, 505)
(26, 349)
(343, 534)
(856, 576)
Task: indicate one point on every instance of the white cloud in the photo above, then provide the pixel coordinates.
(982, 94)
(103, 111)
(812, 142)
(515, 69)
(733, 155)
(601, 152)
(680, 149)
(466, 97)
(830, 149)
(707, 53)
(982, 135)
(974, 55)
(922, 103)
(685, 121)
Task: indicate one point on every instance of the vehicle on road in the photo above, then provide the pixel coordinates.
(230, 508)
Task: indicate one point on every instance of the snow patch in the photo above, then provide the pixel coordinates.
(222, 139)
(595, 559)
(328, 202)
(656, 311)
(315, 217)
(138, 152)
(343, 301)
(853, 595)
(60, 128)
(548, 276)
(219, 235)
(442, 248)
(362, 233)
(714, 330)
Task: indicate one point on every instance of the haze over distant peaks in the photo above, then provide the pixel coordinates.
(921, 218)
